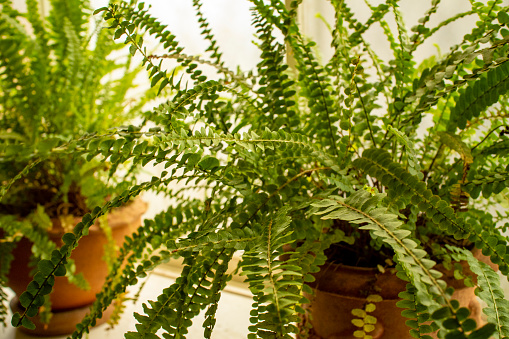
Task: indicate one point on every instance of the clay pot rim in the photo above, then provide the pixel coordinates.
(357, 270)
(363, 274)
(116, 217)
(477, 253)
(351, 297)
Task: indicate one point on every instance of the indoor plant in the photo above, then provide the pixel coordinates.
(296, 153)
(62, 77)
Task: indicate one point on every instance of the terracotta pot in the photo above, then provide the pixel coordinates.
(339, 289)
(69, 301)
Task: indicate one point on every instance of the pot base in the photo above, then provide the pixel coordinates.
(62, 322)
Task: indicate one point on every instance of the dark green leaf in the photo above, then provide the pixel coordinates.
(455, 335)
(27, 323)
(99, 10)
(45, 266)
(33, 310)
(15, 320)
(68, 238)
(484, 332)
(208, 163)
(132, 50)
(25, 299)
(503, 17)
(441, 313)
(60, 271)
(469, 325)
(118, 33)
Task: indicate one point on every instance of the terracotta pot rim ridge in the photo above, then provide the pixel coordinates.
(118, 217)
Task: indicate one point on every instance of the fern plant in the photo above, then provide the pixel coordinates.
(299, 152)
(62, 77)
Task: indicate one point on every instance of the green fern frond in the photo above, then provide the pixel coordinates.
(421, 32)
(489, 290)
(487, 182)
(276, 88)
(165, 226)
(72, 52)
(318, 91)
(432, 84)
(218, 284)
(40, 31)
(378, 164)
(497, 148)
(183, 143)
(229, 75)
(7, 244)
(173, 113)
(271, 280)
(413, 163)
(43, 280)
(377, 14)
(199, 288)
(42, 245)
(487, 14)
(17, 76)
(361, 208)
(190, 294)
(480, 95)
(404, 186)
(207, 33)
(119, 14)
(419, 318)
(402, 55)
(119, 306)
(4, 304)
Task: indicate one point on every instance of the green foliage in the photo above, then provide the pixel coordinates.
(272, 280)
(419, 319)
(5, 264)
(483, 93)
(308, 154)
(62, 78)
(488, 290)
(364, 321)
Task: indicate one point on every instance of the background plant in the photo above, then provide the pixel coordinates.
(286, 155)
(62, 78)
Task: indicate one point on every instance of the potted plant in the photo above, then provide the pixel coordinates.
(332, 159)
(62, 77)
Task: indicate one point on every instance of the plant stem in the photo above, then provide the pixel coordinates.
(365, 113)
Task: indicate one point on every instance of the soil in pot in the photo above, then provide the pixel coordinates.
(69, 302)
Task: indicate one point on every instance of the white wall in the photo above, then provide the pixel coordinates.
(231, 23)
(229, 19)
(412, 10)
